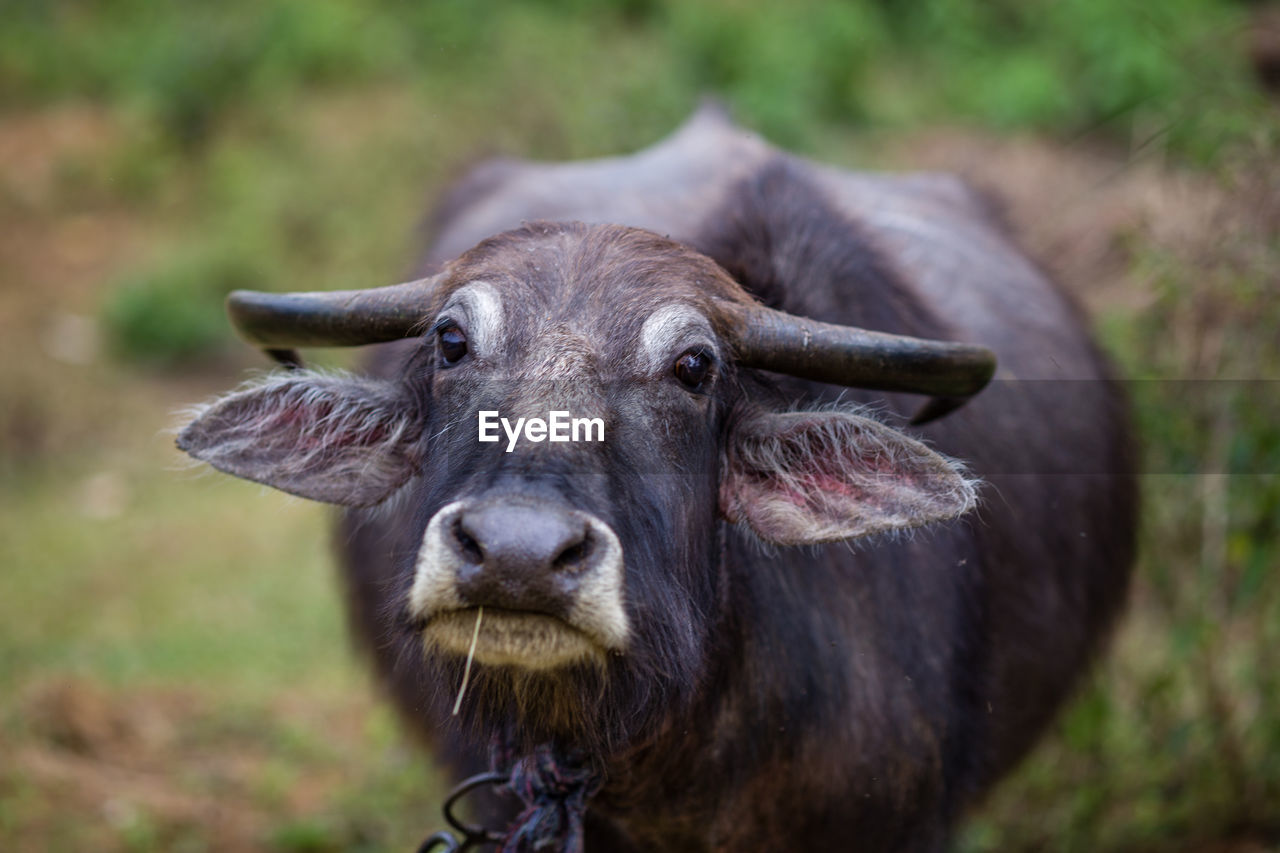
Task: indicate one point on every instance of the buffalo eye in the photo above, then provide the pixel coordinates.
(453, 343)
(692, 368)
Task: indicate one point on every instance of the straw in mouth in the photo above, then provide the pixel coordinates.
(466, 673)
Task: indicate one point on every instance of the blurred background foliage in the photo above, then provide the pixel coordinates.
(173, 673)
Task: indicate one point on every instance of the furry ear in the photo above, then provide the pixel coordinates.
(800, 478)
(333, 438)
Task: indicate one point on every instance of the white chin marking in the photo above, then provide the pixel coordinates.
(434, 587)
(598, 608)
(509, 638)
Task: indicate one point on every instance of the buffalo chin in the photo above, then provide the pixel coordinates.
(511, 638)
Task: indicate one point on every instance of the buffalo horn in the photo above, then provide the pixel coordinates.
(280, 322)
(948, 371)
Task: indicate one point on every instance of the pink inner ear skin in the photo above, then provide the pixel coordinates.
(310, 425)
(801, 491)
(856, 466)
(798, 479)
(827, 484)
(299, 422)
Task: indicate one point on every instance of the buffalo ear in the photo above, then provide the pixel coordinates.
(332, 438)
(800, 478)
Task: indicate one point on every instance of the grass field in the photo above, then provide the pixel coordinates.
(174, 667)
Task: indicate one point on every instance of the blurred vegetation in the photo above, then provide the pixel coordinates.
(1178, 740)
(188, 70)
(1051, 65)
(200, 147)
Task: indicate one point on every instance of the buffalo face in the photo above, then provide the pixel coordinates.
(572, 563)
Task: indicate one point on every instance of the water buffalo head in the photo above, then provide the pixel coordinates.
(596, 562)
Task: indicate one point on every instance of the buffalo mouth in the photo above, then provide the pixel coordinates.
(510, 638)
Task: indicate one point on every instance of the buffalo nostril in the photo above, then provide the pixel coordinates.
(573, 558)
(468, 547)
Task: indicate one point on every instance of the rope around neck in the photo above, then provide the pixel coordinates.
(554, 788)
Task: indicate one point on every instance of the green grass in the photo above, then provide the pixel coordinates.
(205, 610)
(161, 590)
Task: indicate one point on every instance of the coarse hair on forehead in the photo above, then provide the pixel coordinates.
(572, 260)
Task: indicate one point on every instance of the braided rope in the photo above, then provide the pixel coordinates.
(555, 788)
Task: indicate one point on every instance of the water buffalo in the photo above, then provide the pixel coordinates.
(670, 623)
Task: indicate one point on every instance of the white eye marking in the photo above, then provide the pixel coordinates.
(672, 328)
(481, 305)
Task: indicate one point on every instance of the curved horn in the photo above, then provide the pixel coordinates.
(338, 318)
(846, 355)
